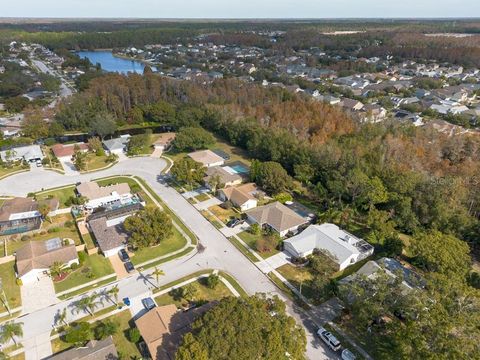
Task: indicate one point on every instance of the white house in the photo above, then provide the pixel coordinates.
(35, 258)
(207, 158)
(118, 145)
(29, 153)
(244, 196)
(344, 248)
(98, 196)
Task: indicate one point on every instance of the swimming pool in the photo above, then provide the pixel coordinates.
(239, 169)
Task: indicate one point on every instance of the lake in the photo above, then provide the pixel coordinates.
(112, 63)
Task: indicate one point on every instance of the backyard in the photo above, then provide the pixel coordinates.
(61, 226)
(95, 267)
(9, 284)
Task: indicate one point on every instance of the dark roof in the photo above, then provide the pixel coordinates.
(94, 350)
(221, 153)
(23, 205)
(108, 237)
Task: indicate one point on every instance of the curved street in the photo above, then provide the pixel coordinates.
(219, 253)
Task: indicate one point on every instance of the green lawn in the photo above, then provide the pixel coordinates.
(242, 249)
(123, 345)
(296, 276)
(202, 197)
(99, 265)
(57, 229)
(62, 194)
(202, 293)
(223, 214)
(236, 154)
(12, 290)
(95, 162)
(175, 242)
(6, 171)
(251, 240)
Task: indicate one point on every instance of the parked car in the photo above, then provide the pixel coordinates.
(129, 266)
(123, 255)
(234, 222)
(329, 339)
(148, 303)
(39, 163)
(348, 355)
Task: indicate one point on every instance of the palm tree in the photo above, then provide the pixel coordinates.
(9, 330)
(61, 317)
(114, 292)
(157, 273)
(56, 269)
(3, 356)
(87, 304)
(44, 210)
(105, 329)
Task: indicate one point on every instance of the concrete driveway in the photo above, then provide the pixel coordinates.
(118, 266)
(38, 295)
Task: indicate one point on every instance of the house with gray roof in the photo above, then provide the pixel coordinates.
(29, 153)
(109, 234)
(93, 350)
(116, 146)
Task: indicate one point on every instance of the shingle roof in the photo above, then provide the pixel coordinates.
(94, 350)
(24, 205)
(225, 176)
(37, 255)
(61, 150)
(91, 190)
(108, 237)
(206, 157)
(239, 195)
(116, 144)
(277, 215)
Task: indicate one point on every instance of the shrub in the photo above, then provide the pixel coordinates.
(82, 257)
(227, 205)
(74, 266)
(133, 335)
(19, 282)
(54, 230)
(25, 237)
(255, 229)
(212, 281)
(283, 197)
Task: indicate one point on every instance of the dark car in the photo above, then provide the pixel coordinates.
(234, 222)
(148, 303)
(129, 266)
(123, 255)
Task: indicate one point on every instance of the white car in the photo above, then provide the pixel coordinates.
(39, 163)
(329, 339)
(348, 355)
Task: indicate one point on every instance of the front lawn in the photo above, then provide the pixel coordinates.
(173, 243)
(251, 240)
(223, 214)
(296, 276)
(12, 290)
(7, 170)
(203, 293)
(95, 162)
(95, 266)
(124, 346)
(62, 194)
(212, 220)
(202, 197)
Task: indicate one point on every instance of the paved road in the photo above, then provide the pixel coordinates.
(65, 91)
(219, 252)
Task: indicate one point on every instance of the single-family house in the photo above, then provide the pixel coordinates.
(351, 104)
(20, 215)
(93, 350)
(116, 146)
(101, 196)
(36, 257)
(30, 153)
(277, 217)
(344, 248)
(245, 196)
(109, 234)
(207, 158)
(164, 141)
(163, 327)
(65, 152)
(225, 177)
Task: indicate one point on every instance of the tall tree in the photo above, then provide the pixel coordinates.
(188, 171)
(9, 331)
(103, 124)
(148, 227)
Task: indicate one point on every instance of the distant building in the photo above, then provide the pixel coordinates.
(344, 248)
(207, 158)
(35, 258)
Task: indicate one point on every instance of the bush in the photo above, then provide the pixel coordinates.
(50, 142)
(133, 335)
(283, 197)
(19, 282)
(255, 229)
(82, 256)
(54, 230)
(212, 281)
(79, 334)
(74, 266)
(25, 237)
(227, 205)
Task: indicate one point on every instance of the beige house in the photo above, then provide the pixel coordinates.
(245, 197)
(226, 178)
(278, 217)
(207, 158)
(164, 141)
(36, 257)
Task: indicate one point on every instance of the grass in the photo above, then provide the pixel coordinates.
(222, 214)
(57, 227)
(170, 258)
(123, 345)
(12, 290)
(287, 291)
(88, 241)
(202, 293)
(211, 219)
(62, 194)
(344, 341)
(88, 288)
(95, 162)
(251, 240)
(173, 243)
(99, 265)
(202, 197)
(59, 345)
(296, 276)
(243, 249)
(234, 283)
(6, 171)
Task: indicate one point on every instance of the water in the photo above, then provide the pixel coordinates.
(112, 63)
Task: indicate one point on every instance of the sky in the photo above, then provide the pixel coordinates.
(240, 8)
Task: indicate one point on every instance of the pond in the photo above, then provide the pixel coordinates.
(112, 63)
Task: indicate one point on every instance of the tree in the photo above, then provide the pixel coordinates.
(105, 329)
(393, 246)
(215, 182)
(188, 292)
(96, 146)
(268, 336)
(442, 253)
(16, 104)
(34, 125)
(134, 335)
(213, 280)
(255, 229)
(10, 330)
(56, 269)
(148, 227)
(79, 334)
(61, 317)
(188, 171)
(113, 291)
(139, 144)
(103, 124)
(80, 159)
(161, 112)
(157, 273)
(44, 210)
(270, 175)
(193, 138)
(304, 173)
(87, 304)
